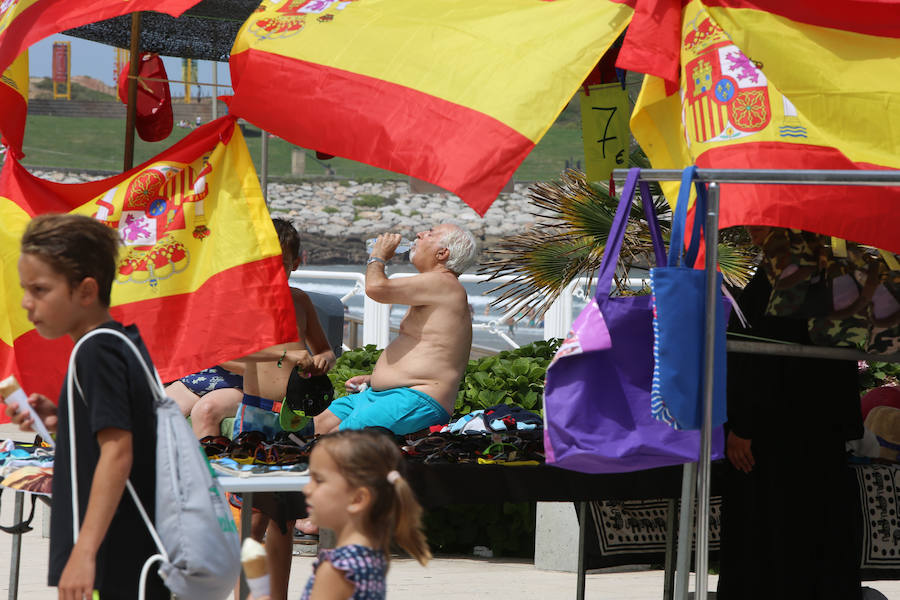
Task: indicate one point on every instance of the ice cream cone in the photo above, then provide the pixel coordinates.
(255, 567)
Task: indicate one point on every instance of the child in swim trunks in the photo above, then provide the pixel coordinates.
(208, 396)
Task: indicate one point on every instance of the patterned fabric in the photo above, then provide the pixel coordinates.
(627, 532)
(879, 496)
(364, 567)
(214, 378)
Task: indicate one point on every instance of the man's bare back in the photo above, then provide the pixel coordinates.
(432, 349)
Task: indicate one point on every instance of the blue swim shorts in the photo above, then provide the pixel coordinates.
(253, 415)
(402, 410)
(214, 378)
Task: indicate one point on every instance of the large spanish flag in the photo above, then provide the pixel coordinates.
(24, 22)
(200, 269)
(455, 93)
(790, 85)
(14, 103)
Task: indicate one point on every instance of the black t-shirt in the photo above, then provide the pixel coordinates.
(118, 396)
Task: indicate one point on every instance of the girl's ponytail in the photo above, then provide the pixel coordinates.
(407, 513)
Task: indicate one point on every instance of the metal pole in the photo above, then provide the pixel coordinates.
(685, 531)
(16, 556)
(703, 468)
(582, 526)
(246, 528)
(264, 176)
(671, 521)
(797, 350)
(215, 92)
(783, 176)
(131, 110)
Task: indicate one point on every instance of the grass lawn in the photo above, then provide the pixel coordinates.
(94, 143)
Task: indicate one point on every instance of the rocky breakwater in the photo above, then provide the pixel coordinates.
(335, 217)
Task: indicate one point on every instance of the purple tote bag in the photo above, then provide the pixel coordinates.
(597, 402)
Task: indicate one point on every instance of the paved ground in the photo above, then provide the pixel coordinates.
(444, 578)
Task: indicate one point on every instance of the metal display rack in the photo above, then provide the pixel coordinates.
(696, 475)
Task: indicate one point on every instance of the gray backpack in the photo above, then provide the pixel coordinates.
(198, 542)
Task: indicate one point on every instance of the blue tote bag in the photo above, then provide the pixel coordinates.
(597, 402)
(679, 317)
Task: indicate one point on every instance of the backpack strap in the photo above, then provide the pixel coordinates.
(158, 392)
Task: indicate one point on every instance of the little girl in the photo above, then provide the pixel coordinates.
(357, 491)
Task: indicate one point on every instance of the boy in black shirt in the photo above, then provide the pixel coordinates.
(66, 270)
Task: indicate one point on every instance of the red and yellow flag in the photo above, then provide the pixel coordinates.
(802, 86)
(24, 22)
(14, 103)
(453, 93)
(200, 270)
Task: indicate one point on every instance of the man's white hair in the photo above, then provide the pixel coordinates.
(462, 248)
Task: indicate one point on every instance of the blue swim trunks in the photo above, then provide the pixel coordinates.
(402, 410)
(214, 378)
(255, 414)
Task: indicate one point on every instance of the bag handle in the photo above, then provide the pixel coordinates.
(617, 232)
(677, 255)
(156, 388)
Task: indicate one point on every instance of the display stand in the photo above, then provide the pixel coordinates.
(714, 177)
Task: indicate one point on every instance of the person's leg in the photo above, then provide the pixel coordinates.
(326, 422)
(279, 549)
(183, 397)
(307, 526)
(210, 410)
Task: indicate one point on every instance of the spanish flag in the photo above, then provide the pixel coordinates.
(24, 22)
(200, 269)
(14, 103)
(454, 93)
(789, 85)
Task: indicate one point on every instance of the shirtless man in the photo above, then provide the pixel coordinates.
(416, 379)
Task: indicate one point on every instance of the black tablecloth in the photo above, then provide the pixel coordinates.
(467, 483)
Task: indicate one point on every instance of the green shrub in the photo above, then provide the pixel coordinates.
(876, 374)
(330, 209)
(510, 377)
(371, 201)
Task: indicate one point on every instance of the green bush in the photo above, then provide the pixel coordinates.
(876, 374)
(371, 201)
(510, 377)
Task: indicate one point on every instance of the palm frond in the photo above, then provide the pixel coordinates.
(574, 218)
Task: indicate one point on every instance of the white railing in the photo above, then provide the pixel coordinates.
(377, 316)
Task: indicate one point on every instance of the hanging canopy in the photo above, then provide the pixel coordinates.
(205, 31)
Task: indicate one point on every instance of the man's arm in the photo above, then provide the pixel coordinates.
(291, 358)
(418, 290)
(110, 475)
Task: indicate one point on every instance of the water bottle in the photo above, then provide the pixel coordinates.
(404, 246)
